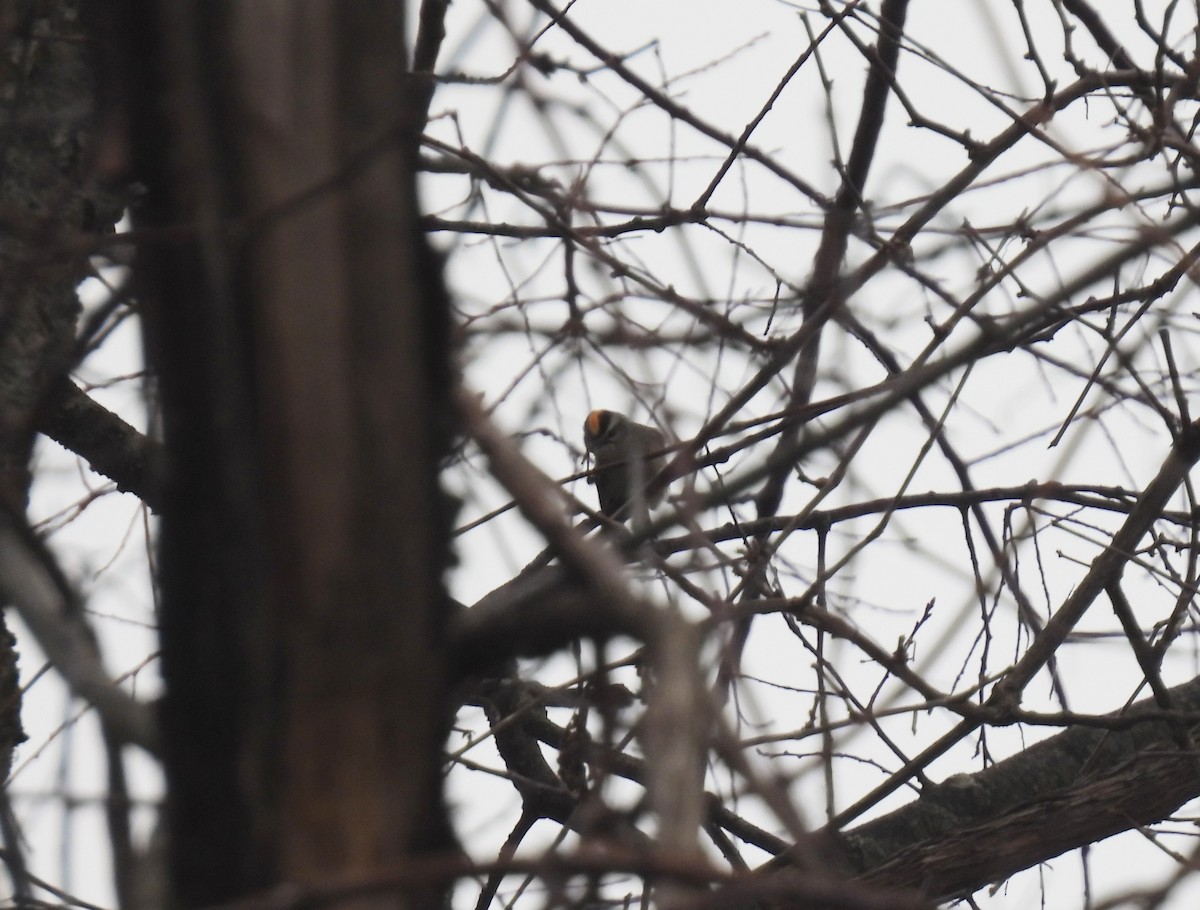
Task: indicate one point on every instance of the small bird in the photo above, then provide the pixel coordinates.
(623, 469)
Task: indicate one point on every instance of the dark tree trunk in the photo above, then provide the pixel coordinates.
(296, 319)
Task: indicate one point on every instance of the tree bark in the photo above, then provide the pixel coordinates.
(300, 337)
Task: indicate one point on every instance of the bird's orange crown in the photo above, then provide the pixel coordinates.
(594, 420)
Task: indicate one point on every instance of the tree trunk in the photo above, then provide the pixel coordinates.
(299, 333)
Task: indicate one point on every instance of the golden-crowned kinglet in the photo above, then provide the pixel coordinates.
(622, 470)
